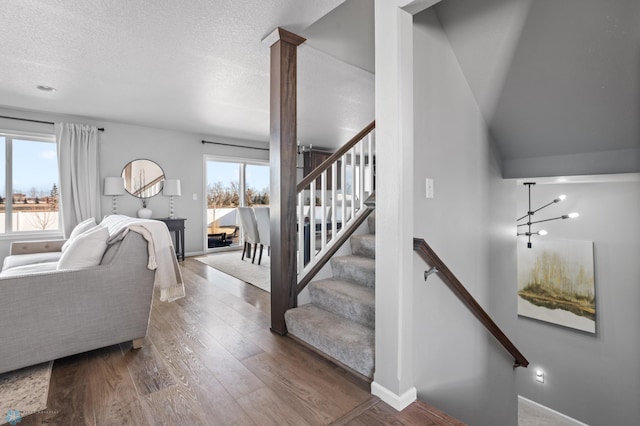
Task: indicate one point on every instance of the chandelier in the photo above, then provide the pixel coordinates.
(531, 212)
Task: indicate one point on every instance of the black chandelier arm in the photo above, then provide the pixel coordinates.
(564, 216)
(531, 213)
(546, 205)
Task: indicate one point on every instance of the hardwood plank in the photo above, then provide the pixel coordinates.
(69, 393)
(292, 384)
(266, 408)
(230, 372)
(198, 382)
(417, 413)
(232, 286)
(420, 410)
(173, 406)
(113, 394)
(207, 322)
(323, 375)
(148, 370)
(229, 315)
(357, 411)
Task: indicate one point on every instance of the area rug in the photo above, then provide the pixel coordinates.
(24, 392)
(231, 263)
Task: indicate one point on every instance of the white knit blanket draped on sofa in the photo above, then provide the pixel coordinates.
(162, 255)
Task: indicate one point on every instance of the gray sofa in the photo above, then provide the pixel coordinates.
(47, 314)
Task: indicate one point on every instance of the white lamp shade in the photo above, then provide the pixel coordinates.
(172, 188)
(113, 186)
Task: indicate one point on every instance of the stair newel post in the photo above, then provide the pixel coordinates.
(283, 156)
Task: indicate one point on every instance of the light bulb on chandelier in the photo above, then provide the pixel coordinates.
(531, 212)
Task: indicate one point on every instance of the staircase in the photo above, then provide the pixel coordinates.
(339, 322)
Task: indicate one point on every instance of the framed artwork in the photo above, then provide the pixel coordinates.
(556, 283)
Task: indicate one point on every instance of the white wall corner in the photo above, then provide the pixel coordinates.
(399, 402)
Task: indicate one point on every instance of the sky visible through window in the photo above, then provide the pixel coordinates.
(35, 166)
(257, 176)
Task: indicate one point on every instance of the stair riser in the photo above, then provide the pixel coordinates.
(371, 221)
(363, 245)
(360, 311)
(345, 270)
(352, 346)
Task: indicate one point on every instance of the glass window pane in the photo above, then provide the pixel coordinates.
(257, 185)
(35, 186)
(223, 197)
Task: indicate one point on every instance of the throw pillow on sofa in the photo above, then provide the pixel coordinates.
(80, 228)
(86, 250)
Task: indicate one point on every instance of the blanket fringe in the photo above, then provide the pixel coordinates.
(172, 293)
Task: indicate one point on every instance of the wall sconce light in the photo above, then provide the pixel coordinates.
(114, 186)
(530, 213)
(171, 189)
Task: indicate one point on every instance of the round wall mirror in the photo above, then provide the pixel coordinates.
(143, 178)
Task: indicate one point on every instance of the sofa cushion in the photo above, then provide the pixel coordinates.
(86, 250)
(29, 269)
(30, 259)
(80, 228)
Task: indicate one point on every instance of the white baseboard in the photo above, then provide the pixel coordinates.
(552, 412)
(399, 402)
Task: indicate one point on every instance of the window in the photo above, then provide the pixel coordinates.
(225, 181)
(28, 183)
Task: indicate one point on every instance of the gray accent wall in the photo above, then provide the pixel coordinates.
(593, 378)
(180, 154)
(459, 367)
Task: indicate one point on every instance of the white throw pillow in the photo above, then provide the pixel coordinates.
(86, 250)
(80, 228)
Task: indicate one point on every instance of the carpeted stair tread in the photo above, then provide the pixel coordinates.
(346, 341)
(363, 245)
(357, 269)
(351, 301)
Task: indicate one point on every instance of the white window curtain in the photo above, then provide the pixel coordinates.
(79, 174)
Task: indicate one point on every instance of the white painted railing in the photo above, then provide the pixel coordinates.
(332, 197)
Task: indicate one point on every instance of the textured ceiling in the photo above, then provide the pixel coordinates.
(196, 66)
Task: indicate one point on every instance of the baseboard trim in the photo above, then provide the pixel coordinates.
(552, 411)
(399, 402)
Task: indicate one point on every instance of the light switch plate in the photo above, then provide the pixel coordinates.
(429, 193)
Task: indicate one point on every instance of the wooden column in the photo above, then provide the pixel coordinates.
(283, 156)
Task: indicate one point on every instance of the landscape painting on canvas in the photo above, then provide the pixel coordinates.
(556, 283)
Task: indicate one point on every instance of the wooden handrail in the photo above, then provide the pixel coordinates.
(430, 257)
(315, 174)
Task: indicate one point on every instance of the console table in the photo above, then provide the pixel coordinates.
(176, 226)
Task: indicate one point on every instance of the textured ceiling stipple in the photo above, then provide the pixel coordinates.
(195, 66)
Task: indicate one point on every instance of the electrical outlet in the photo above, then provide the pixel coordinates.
(540, 376)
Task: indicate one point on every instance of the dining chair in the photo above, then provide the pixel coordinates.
(262, 218)
(250, 228)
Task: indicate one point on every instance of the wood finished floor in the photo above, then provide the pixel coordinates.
(210, 359)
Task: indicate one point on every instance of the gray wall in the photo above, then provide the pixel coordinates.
(179, 154)
(459, 367)
(591, 377)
